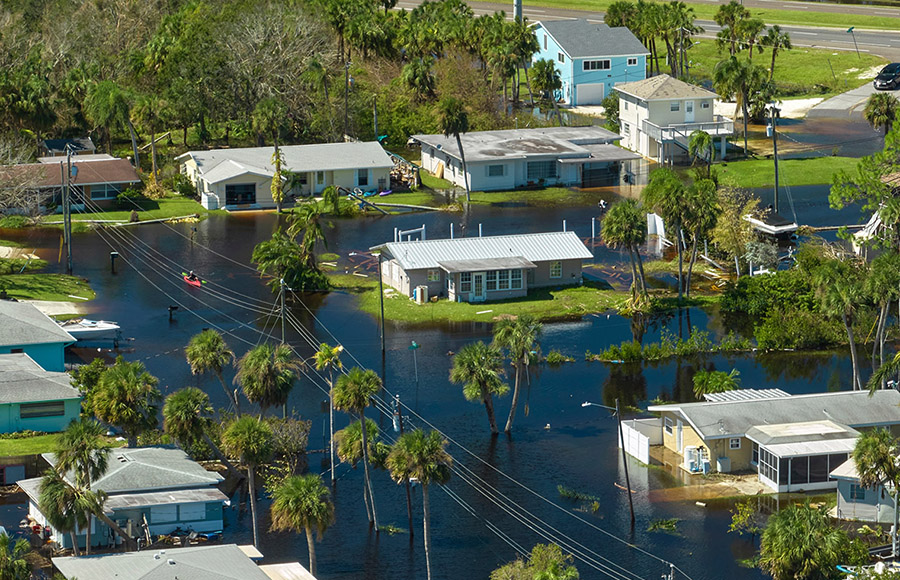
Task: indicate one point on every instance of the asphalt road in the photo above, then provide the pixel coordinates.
(881, 43)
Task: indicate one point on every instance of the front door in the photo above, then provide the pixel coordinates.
(689, 111)
(478, 287)
(679, 436)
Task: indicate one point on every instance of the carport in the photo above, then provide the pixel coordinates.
(604, 165)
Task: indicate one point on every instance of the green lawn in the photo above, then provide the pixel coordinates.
(11, 244)
(429, 180)
(46, 287)
(791, 172)
(164, 208)
(37, 444)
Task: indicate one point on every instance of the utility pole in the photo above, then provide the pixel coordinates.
(375, 115)
(283, 407)
(67, 210)
(408, 492)
(346, 99)
(381, 300)
(625, 462)
(775, 112)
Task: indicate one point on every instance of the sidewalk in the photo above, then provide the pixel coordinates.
(844, 105)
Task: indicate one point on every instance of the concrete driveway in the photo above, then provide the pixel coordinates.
(844, 105)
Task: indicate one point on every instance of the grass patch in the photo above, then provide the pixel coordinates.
(17, 265)
(544, 304)
(752, 173)
(536, 197)
(429, 180)
(168, 207)
(11, 244)
(419, 197)
(14, 222)
(666, 525)
(46, 287)
(35, 444)
(328, 257)
(569, 493)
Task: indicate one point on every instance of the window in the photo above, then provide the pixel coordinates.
(503, 280)
(668, 424)
(626, 129)
(857, 492)
(755, 459)
(596, 64)
(632, 61)
(515, 279)
(35, 410)
(734, 443)
(561, 57)
(768, 465)
(240, 193)
(192, 512)
(689, 107)
(320, 177)
(545, 42)
(16, 350)
(674, 106)
(496, 170)
(625, 105)
(302, 178)
(491, 280)
(538, 170)
(704, 105)
(556, 269)
(163, 513)
(465, 282)
(434, 275)
(105, 191)
(362, 177)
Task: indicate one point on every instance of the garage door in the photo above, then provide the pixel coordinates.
(589, 94)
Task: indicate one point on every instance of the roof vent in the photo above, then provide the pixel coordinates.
(156, 556)
(171, 562)
(121, 458)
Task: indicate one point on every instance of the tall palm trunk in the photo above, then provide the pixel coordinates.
(87, 534)
(365, 453)
(848, 323)
(74, 539)
(640, 263)
(134, 147)
(634, 275)
(465, 169)
(278, 162)
(528, 82)
(426, 528)
(232, 395)
(746, 116)
(331, 426)
(310, 543)
(221, 456)
(130, 544)
(691, 264)
(515, 397)
(679, 234)
(153, 152)
(488, 401)
(251, 476)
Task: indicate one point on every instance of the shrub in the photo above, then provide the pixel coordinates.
(758, 295)
(807, 330)
(135, 200)
(556, 358)
(14, 222)
(181, 184)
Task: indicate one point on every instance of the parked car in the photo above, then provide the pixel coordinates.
(889, 77)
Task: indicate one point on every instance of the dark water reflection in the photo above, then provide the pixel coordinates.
(577, 450)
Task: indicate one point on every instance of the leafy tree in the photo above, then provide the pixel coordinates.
(453, 120)
(127, 397)
(546, 562)
(422, 456)
(732, 232)
(745, 519)
(730, 17)
(208, 352)
(417, 75)
(252, 441)
(547, 82)
(477, 367)
(107, 105)
(706, 382)
(266, 374)
(353, 393)
(521, 339)
(85, 378)
(610, 104)
(188, 417)
(881, 111)
(284, 259)
(839, 289)
(700, 216)
(328, 358)
(303, 503)
(776, 41)
(625, 226)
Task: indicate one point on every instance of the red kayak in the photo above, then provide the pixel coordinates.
(193, 282)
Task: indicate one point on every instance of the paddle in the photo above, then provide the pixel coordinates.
(185, 274)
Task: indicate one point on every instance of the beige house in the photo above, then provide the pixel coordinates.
(483, 268)
(792, 442)
(658, 115)
(242, 178)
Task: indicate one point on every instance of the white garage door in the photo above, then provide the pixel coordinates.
(589, 94)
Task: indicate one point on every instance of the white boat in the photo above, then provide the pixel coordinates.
(84, 329)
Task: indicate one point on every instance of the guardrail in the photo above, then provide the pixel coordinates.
(721, 126)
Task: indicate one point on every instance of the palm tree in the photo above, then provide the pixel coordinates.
(547, 82)
(303, 503)
(306, 223)
(58, 502)
(701, 147)
(839, 291)
(13, 565)
(881, 111)
(665, 194)
(188, 416)
(882, 285)
(729, 17)
(749, 31)
(148, 111)
(706, 382)
(208, 352)
(730, 77)
(106, 105)
(521, 338)
(419, 78)
(252, 441)
(700, 216)
(625, 226)
(266, 374)
(477, 367)
(268, 117)
(421, 456)
(875, 456)
(776, 41)
(328, 358)
(453, 120)
(127, 397)
(353, 393)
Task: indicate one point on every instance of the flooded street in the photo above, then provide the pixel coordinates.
(555, 441)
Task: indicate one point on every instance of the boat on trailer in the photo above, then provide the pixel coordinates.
(83, 329)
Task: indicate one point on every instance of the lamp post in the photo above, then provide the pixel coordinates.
(850, 32)
(414, 347)
(624, 457)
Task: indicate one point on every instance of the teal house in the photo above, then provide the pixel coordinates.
(34, 399)
(591, 57)
(150, 491)
(28, 330)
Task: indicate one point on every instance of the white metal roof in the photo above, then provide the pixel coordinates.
(231, 168)
(543, 247)
(804, 448)
(745, 395)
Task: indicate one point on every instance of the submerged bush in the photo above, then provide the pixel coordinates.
(759, 295)
(807, 330)
(698, 342)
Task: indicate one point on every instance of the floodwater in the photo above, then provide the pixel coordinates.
(555, 440)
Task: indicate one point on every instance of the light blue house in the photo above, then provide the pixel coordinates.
(25, 329)
(150, 491)
(34, 399)
(860, 503)
(591, 57)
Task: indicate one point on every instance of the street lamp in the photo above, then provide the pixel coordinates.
(850, 32)
(624, 457)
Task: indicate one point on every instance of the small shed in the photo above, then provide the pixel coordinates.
(857, 502)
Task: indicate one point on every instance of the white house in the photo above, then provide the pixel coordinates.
(242, 178)
(658, 115)
(503, 160)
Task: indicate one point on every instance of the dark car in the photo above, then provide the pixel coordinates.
(889, 77)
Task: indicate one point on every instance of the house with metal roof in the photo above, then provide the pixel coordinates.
(150, 491)
(507, 159)
(242, 178)
(28, 330)
(34, 399)
(658, 115)
(591, 57)
(793, 442)
(482, 268)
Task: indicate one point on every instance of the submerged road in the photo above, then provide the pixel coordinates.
(879, 42)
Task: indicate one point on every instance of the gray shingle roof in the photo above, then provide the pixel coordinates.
(532, 247)
(23, 381)
(223, 562)
(24, 324)
(297, 158)
(580, 38)
(150, 469)
(664, 88)
(734, 418)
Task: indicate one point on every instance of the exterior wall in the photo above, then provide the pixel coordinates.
(540, 276)
(50, 356)
(11, 421)
(619, 72)
(489, 295)
(689, 436)
(551, 52)
(479, 180)
(263, 190)
(876, 506)
(661, 113)
(740, 458)
(633, 112)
